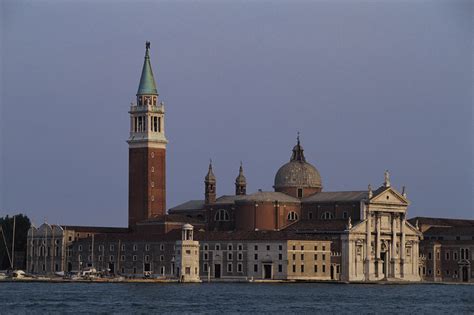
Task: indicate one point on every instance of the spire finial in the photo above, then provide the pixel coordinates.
(298, 154)
(386, 182)
(298, 137)
(147, 81)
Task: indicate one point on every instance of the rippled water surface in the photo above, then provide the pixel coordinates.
(234, 297)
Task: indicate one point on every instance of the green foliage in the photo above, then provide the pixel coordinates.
(21, 231)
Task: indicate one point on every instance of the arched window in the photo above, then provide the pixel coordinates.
(292, 216)
(327, 216)
(222, 215)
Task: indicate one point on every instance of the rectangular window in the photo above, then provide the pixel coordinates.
(163, 270)
(300, 193)
(147, 247)
(162, 247)
(324, 268)
(302, 247)
(256, 256)
(112, 248)
(310, 215)
(302, 256)
(229, 267)
(229, 246)
(100, 257)
(256, 247)
(147, 258)
(240, 256)
(204, 267)
(255, 268)
(134, 257)
(429, 255)
(162, 257)
(280, 256)
(239, 267)
(294, 256)
(338, 268)
(302, 268)
(294, 247)
(229, 256)
(122, 258)
(324, 256)
(111, 258)
(134, 269)
(315, 247)
(217, 247)
(315, 268)
(123, 247)
(280, 247)
(324, 247)
(268, 247)
(280, 268)
(294, 268)
(240, 247)
(315, 256)
(135, 247)
(188, 252)
(455, 255)
(80, 248)
(206, 256)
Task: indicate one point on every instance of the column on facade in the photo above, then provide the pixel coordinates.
(368, 247)
(402, 244)
(394, 243)
(378, 244)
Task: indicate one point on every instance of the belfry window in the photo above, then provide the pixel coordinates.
(159, 124)
(292, 216)
(155, 124)
(222, 215)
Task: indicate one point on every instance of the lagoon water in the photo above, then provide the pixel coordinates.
(234, 297)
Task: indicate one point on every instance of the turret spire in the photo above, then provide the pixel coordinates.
(147, 84)
(241, 182)
(210, 186)
(298, 154)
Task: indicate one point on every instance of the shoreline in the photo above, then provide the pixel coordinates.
(102, 280)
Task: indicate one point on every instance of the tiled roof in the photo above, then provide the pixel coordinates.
(94, 229)
(441, 221)
(229, 199)
(311, 226)
(268, 196)
(458, 231)
(174, 218)
(337, 196)
(189, 205)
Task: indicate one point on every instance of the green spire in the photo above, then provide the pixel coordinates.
(147, 81)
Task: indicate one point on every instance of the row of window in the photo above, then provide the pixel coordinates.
(328, 215)
(464, 254)
(101, 248)
(122, 258)
(223, 215)
(315, 256)
(315, 247)
(323, 268)
(239, 247)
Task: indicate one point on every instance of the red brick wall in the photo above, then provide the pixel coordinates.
(147, 184)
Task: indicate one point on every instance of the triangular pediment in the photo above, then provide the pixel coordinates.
(389, 196)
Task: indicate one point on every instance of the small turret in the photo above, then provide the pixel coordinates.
(241, 182)
(210, 186)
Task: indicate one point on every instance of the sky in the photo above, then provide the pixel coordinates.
(371, 85)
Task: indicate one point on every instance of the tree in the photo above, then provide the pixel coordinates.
(22, 226)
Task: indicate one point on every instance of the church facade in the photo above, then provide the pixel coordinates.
(298, 231)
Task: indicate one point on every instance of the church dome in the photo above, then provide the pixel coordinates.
(297, 173)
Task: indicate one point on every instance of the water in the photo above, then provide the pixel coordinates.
(234, 297)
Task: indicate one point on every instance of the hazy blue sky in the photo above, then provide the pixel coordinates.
(371, 85)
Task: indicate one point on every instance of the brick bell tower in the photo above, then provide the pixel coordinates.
(147, 151)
